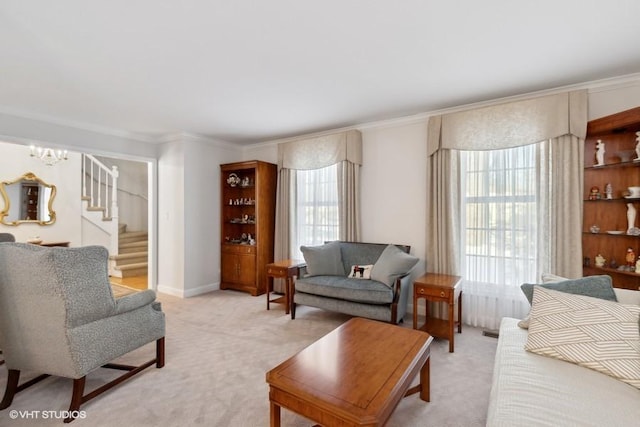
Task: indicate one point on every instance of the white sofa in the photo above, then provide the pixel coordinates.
(532, 390)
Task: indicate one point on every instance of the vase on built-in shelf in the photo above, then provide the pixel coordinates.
(631, 217)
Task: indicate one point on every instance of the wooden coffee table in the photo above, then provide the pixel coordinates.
(354, 376)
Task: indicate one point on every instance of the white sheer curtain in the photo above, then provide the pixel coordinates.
(315, 211)
(501, 213)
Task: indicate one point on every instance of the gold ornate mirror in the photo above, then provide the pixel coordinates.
(27, 199)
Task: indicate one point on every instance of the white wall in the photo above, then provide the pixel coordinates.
(393, 186)
(171, 238)
(189, 214)
(14, 162)
(202, 213)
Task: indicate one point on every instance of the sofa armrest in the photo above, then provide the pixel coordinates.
(302, 271)
(134, 301)
(627, 296)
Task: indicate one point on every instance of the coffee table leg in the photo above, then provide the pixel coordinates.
(425, 387)
(275, 415)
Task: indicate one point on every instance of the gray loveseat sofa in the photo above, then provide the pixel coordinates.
(360, 279)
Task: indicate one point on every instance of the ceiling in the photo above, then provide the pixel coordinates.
(250, 71)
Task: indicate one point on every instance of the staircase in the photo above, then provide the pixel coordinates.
(132, 256)
(128, 249)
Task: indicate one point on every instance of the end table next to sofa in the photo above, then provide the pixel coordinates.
(438, 288)
(286, 269)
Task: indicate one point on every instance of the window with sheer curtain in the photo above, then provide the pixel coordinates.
(499, 230)
(510, 213)
(501, 215)
(316, 216)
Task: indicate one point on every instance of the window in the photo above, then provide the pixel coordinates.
(501, 215)
(316, 217)
(499, 225)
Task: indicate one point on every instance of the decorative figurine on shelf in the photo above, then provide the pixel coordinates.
(608, 191)
(637, 159)
(631, 217)
(233, 179)
(631, 257)
(599, 153)
(638, 265)
(600, 261)
(594, 194)
(594, 229)
(613, 263)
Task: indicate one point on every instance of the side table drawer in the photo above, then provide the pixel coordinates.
(276, 271)
(433, 292)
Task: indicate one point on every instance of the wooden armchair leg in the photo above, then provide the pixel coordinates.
(76, 398)
(11, 389)
(14, 387)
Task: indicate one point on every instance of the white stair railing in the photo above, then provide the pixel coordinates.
(100, 190)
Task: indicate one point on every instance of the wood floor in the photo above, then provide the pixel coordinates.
(136, 282)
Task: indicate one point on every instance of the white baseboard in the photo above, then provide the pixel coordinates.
(181, 293)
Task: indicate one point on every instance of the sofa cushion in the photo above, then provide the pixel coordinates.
(532, 390)
(590, 332)
(392, 264)
(592, 286)
(357, 290)
(323, 260)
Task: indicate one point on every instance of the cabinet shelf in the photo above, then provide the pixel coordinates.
(623, 235)
(616, 271)
(618, 199)
(630, 164)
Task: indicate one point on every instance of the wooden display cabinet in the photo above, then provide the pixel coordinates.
(618, 133)
(248, 196)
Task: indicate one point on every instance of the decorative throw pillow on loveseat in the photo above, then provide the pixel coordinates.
(392, 263)
(590, 332)
(360, 272)
(591, 286)
(324, 260)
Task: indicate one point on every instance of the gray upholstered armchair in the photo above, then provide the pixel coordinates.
(58, 317)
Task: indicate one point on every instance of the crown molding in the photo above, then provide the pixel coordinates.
(139, 137)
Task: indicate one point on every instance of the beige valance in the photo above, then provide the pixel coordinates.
(511, 124)
(321, 151)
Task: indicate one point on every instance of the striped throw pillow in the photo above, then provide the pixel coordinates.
(590, 332)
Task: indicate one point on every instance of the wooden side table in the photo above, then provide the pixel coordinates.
(286, 269)
(438, 288)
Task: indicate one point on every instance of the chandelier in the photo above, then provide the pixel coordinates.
(49, 156)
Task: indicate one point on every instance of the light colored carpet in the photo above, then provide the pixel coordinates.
(219, 347)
